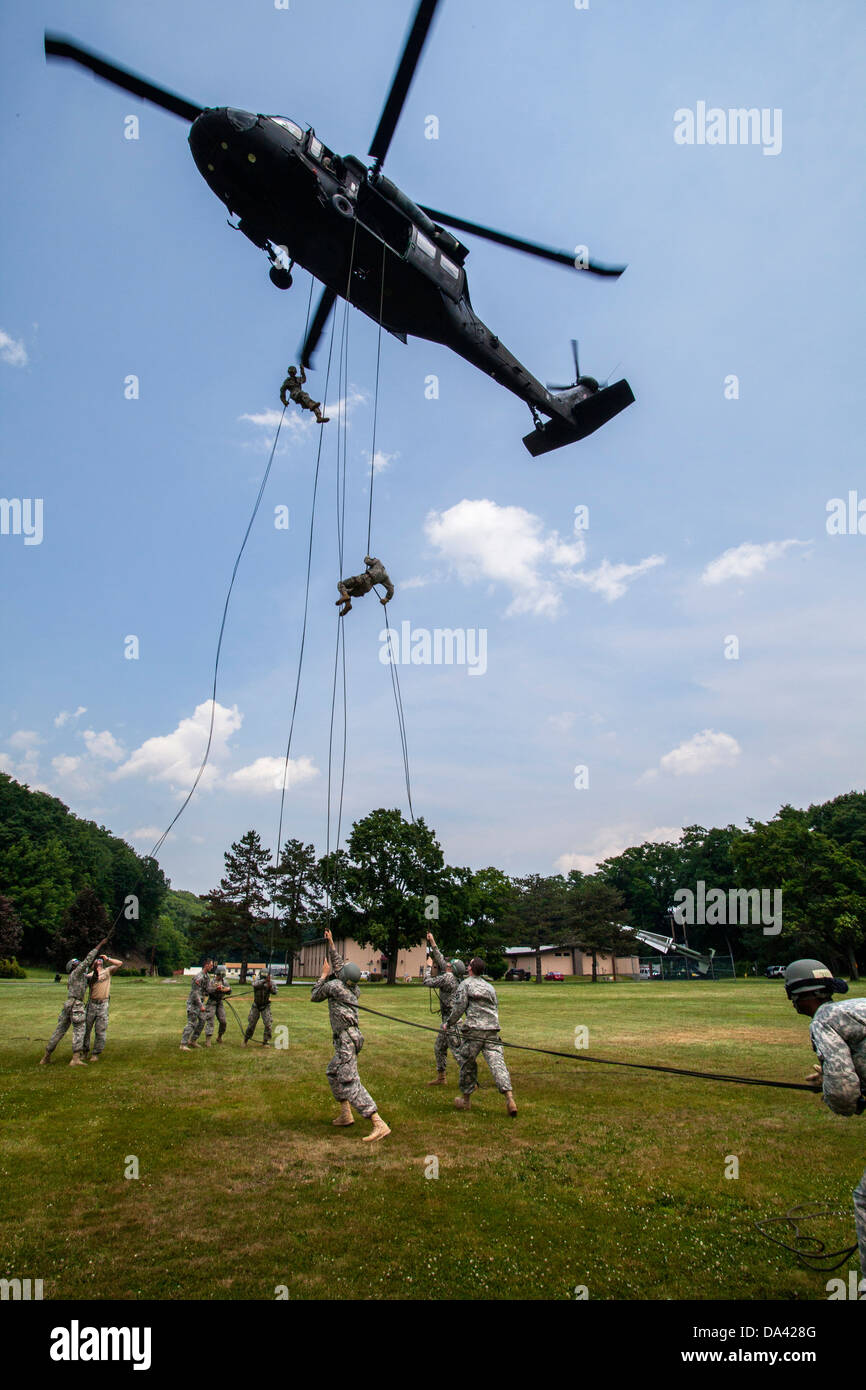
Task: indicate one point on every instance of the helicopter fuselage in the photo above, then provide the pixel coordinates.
(359, 234)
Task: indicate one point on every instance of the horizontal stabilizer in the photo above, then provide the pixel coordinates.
(587, 417)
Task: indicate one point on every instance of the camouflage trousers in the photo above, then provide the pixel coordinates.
(97, 1021)
(73, 1015)
(860, 1219)
(194, 1024)
(450, 1037)
(254, 1015)
(216, 1010)
(489, 1045)
(342, 1072)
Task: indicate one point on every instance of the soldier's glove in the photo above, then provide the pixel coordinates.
(815, 1079)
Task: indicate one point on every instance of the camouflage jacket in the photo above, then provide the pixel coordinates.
(197, 990)
(215, 989)
(477, 1000)
(446, 982)
(342, 998)
(76, 981)
(262, 991)
(838, 1035)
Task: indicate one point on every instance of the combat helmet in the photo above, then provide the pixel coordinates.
(811, 977)
(458, 967)
(350, 973)
(71, 964)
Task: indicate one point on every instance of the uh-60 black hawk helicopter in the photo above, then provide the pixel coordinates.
(368, 242)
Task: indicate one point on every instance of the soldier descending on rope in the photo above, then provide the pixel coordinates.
(73, 1012)
(216, 991)
(838, 1034)
(293, 386)
(263, 988)
(359, 584)
(97, 1005)
(337, 984)
(195, 1007)
(477, 1000)
(450, 974)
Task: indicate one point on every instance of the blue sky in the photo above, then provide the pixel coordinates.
(605, 649)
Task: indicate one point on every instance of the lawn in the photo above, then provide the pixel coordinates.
(609, 1179)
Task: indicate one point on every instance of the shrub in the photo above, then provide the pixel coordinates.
(11, 970)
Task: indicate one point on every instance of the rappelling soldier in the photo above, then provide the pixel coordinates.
(293, 386)
(263, 988)
(446, 981)
(476, 998)
(73, 1014)
(216, 991)
(359, 584)
(195, 1007)
(838, 1033)
(338, 983)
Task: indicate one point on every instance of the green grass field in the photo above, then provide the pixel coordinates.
(609, 1178)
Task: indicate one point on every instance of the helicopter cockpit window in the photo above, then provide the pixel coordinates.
(315, 147)
(425, 245)
(450, 267)
(289, 126)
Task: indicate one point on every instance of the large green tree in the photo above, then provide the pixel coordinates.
(594, 912)
(236, 917)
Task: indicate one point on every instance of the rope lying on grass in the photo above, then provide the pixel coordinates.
(610, 1062)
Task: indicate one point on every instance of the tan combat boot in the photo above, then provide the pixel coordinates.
(184, 1048)
(207, 1042)
(345, 1116)
(76, 1060)
(462, 1103)
(440, 1079)
(94, 1058)
(379, 1130)
(44, 1060)
(510, 1105)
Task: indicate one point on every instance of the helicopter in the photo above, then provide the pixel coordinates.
(359, 234)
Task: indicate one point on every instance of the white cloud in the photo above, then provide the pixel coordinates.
(381, 460)
(611, 581)
(701, 753)
(65, 765)
(25, 739)
(65, 715)
(508, 545)
(744, 561)
(150, 833)
(300, 422)
(176, 757)
(561, 723)
(265, 775)
(103, 745)
(613, 840)
(12, 352)
(419, 581)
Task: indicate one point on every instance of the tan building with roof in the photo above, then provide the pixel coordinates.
(310, 959)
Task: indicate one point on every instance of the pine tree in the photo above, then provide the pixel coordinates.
(238, 909)
(294, 889)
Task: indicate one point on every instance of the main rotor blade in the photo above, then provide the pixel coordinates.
(547, 253)
(402, 79)
(57, 47)
(317, 327)
(574, 355)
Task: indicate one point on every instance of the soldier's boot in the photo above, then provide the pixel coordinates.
(45, 1058)
(440, 1079)
(195, 1044)
(220, 1038)
(345, 1116)
(320, 418)
(510, 1105)
(462, 1102)
(207, 1042)
(185, 1048)
(76, 1060)
(379, 1130)
(94, 1058)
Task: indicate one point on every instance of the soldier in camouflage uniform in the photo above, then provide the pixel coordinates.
(476, 998)
(446, 981)
(73, 1013)
(97, 1005)
(337, 985)
(216, 991)
(359, 584)
(195, 1007)
(838, 1034)
(263, 988)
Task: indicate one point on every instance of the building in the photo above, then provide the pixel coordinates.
(310, 959)
(570, 960)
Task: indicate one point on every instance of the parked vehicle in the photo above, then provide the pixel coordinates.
(554, 975)
(774, 972)
(515, 974)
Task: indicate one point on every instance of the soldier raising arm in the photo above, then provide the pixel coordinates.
(73, 1013)
(338, 985)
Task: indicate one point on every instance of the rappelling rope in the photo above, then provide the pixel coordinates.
(610, 1062)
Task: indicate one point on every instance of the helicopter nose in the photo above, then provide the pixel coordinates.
(213, 136)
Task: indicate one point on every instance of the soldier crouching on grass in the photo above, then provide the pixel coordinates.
(476, 998)
(195, 1008)
(337, 984)
(838, 1034)
(73, 1013)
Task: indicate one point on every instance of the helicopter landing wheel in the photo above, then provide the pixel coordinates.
(280, 277)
